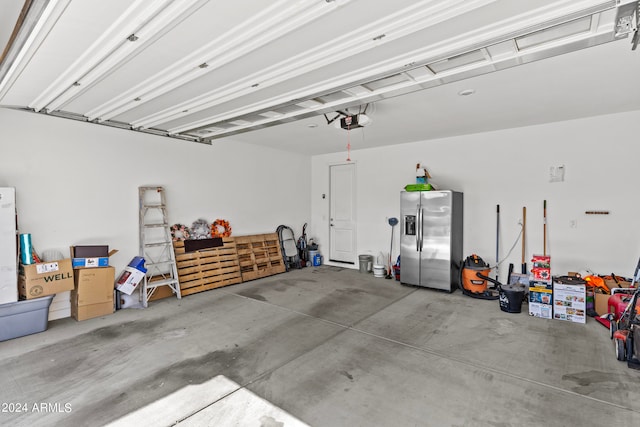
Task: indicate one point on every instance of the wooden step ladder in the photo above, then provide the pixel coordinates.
(156, 245)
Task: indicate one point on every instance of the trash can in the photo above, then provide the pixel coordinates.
(366, 263)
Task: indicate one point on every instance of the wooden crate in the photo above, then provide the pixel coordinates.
(259, 256)
(207, 268)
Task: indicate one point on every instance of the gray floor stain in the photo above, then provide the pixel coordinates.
(346, 374)
(237, 362)
(255, 296)
(591, 377)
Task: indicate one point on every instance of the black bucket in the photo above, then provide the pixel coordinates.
(511, 297)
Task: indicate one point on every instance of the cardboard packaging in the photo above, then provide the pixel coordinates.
(601, 301)
(619, 282)
(90, 256)
(92, 295)
(541, 299)
(570, 300)
(541, 269)
(45, 278)
(131, 277)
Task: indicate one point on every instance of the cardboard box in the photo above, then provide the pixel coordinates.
(45, 278)
(570, 300)
(541, 299)
(621, 282)
(90, 256)
(601, 303)
(129, 280)
(92, 295)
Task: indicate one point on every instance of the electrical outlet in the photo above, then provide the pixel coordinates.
(556, 173)
(573, 223)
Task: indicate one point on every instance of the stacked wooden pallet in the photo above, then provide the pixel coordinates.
(259, 256)
(207, 268)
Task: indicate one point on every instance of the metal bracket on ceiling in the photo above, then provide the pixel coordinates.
(626, 20)
(345, 114)
(340, 114)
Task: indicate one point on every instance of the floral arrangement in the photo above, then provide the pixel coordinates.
(220, 228)
(180, 232)
(200, 229)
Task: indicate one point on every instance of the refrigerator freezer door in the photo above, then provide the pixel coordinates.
(409, 238)
(435, 265)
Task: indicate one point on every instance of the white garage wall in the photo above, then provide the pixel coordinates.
(77, 183)
(511, 168)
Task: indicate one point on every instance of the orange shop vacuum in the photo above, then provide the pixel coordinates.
(473, 279)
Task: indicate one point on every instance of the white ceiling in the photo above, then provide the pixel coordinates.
(272, 72)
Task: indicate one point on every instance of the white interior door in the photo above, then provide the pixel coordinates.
(342, 234)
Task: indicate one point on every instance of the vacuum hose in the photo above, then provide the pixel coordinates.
(494, 281)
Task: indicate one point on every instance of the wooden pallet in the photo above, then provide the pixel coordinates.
(207, 268)
(259, 256)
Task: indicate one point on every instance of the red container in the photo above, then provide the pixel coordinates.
(617, 303)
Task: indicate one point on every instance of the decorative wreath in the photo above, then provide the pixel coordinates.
(180, 232)
(200, 229)
(219, 224)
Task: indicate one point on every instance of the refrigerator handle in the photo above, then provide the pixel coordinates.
(417, 226)
(420, 227)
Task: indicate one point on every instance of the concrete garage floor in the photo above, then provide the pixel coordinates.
(323, 347)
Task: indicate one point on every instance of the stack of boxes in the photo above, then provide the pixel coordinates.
(560, 298)
(541, 288)
(93, 277)
(38, 283)
(26, 290)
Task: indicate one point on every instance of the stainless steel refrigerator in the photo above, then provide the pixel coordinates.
(431, 238)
